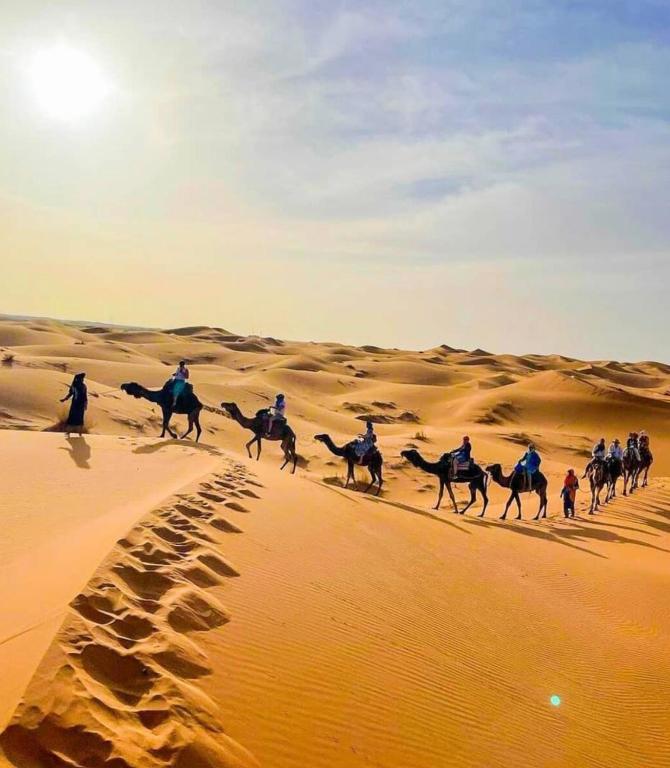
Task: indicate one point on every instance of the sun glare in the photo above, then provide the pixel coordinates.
(67, 83)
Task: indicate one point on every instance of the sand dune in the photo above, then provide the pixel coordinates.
(188, 607)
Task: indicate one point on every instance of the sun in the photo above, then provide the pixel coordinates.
(67, 83)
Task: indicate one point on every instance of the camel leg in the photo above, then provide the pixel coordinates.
(473, 496)
(381, 480)
(518, 505)
(440, 494)
(258, 448)
(350, 474)
(373, 478)
(249, 444)
(485, 496)
(166, 426)
(507, 506)
(452, 497)
(198, 428)
(190, 427)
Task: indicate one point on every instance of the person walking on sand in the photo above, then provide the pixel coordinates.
(78, 393)
(179, 379)
(569, 493)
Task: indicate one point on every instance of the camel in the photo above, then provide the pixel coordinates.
(647, 460)
(614, 472)
(187, 403)
(516, 482)
(631, 470)
(257, 424)
(373, 460)
(476, 480)
(598, 475)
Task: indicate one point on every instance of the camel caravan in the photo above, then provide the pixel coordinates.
(456, 467)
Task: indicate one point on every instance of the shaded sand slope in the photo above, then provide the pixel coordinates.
(64, 504)
(118, 686)
(377, 633)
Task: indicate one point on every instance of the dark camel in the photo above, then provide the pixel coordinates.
(631, 470)
(516, 482)
(373, 460)
(257, 424)
(647, 460)
(443, 469)
(614, 472)
(598, 475)
(187, 403)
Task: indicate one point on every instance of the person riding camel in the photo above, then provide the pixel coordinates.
(643, 443)
(528, 465)
(277, 412)
(366, 442)
(633, 445)
(461, 455)
(569, 493)
(598, 454)
(614, 451)
(179, 379)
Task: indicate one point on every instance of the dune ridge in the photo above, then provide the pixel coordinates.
(338, 629)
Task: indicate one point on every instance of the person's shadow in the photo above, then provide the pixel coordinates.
(79, 451)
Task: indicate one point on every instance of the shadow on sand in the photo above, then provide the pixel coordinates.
(161, 444)
(79, 451)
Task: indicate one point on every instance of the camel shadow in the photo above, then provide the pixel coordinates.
(79, 451)
(417, 511)
(161, 444)
(519, 528)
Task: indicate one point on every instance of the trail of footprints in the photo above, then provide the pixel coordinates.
(130, 646)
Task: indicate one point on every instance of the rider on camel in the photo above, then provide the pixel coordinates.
(643, 443)
(461, 455)
(598, 454)
(633, 445)
(276, 412)
(528, 465)
(366, 442)
(614, 451)
(179, 379)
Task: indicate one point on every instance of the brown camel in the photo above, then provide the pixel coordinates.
(598, 475)
(373, 460)
(257, 424)
(516, 482)
(443, 469)
(187, 403)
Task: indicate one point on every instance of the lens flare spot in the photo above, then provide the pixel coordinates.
(555, 700)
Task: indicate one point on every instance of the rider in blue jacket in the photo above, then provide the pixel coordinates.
(529, 464)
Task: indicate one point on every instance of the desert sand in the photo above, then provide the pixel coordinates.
(173, 604)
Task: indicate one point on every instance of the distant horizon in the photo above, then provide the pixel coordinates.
(17, 317)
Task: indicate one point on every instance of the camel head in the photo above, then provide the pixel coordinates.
(412, 456)
(132, 388)
(494, 469)
(230, 408)
(321, 438)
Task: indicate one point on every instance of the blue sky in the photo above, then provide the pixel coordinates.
(417, 149)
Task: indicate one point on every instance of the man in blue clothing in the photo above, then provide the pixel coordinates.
(529, 464)
(461, 455)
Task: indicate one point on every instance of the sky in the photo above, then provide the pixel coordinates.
(480, 173)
